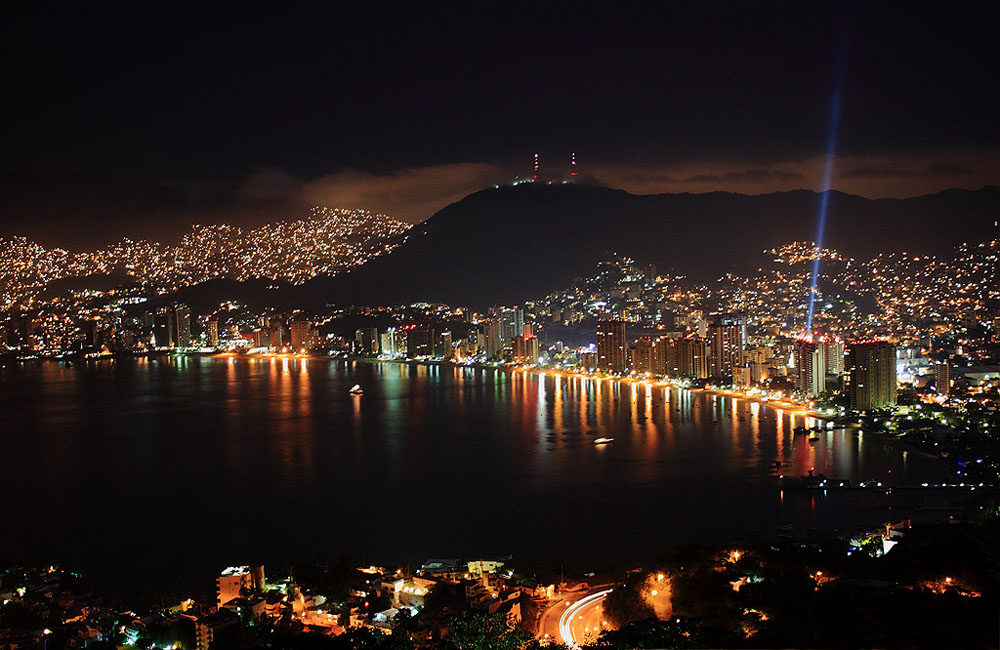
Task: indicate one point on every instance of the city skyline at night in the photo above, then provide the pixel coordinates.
(541, 327)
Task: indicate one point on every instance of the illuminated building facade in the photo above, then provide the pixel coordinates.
(493, 335)
(526, 349)
(727, 333)
(611, 346)
(644, 356)
(420, 341)
(741, 376)
(366, 340)
(445, 347)
(942, 378)
(389, 342)
(872, 366)
(171, 327)
(834, 355)
(278, 340)
(213, 333)
(669, 350)
(511, 323)
(692, 358)
(182, 326)
(302, 334)
(230, 584)
(664, 350)
(810, 366)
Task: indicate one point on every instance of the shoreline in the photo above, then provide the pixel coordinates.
(797, 410)
(266, 363)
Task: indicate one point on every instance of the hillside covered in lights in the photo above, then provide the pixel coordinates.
(328, 242)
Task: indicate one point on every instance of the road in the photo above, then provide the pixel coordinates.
(575, 618)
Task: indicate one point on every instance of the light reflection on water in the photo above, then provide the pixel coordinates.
(214, 461)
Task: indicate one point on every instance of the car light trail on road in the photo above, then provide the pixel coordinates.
(573, 610)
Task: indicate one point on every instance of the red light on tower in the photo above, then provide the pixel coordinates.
(572, 164)
(536, 167)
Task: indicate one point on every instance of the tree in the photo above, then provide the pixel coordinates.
(626, 604)
(482, 631)
(678, 632)
(443, 596)
(15, 617)
(358, 639)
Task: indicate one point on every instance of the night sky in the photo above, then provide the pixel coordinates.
(139, 122)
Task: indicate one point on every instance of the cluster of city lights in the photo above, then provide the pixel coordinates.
(329, 242)
(897, 295)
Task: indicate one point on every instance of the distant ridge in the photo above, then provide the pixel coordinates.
(509, 244)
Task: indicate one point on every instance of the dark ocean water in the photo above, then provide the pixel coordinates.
(174, 467)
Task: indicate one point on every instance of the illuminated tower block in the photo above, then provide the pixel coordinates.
(611, 347)
(872, 365)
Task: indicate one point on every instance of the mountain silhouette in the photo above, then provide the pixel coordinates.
(509, 244)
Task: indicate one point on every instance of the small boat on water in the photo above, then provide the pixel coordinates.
(603, 441)
(356, 390)
(813, 439)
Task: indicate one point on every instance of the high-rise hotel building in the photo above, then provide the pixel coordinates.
(692, 358)
(727, 334)
(612, 349)
(810, 365)
(872, 365)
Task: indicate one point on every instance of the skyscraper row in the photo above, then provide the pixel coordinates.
(816, 361)
(170, 327)
(677, 357)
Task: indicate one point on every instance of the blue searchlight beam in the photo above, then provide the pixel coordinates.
(824, 197)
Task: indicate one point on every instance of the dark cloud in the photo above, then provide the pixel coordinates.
(408, 194)
(749, 176)
(876, 172)
(892, 174)
(251, 115)
(949, 169)
(933, 170)
(103, 211)
(269, 184)
(646, 178)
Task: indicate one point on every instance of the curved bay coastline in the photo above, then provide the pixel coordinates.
(211, 460)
